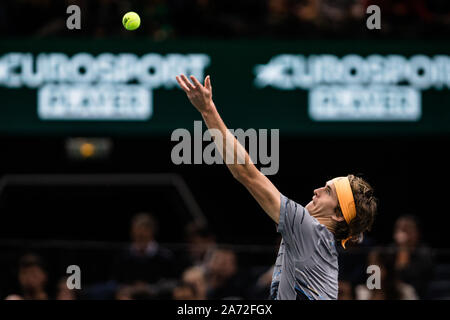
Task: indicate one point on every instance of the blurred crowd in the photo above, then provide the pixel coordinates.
(168, 19)
(148, 270)
(206, 270)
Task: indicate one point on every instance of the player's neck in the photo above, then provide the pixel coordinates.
(329, 223)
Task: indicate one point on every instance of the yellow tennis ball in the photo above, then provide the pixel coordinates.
(131, 21)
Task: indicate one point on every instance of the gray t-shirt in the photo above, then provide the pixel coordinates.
(307, 263)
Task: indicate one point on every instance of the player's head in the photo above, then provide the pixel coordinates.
(348, 203)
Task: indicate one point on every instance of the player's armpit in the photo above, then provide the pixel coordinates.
(265, 193)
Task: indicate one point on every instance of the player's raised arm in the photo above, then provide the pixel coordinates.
(233, 153)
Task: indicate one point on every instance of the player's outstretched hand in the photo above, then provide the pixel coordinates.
(199, 95)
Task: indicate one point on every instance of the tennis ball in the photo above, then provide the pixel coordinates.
(131, 21)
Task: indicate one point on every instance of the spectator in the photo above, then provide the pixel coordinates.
(391, 287)
(124, 292)
(144, 260)
(307, 15)
(63, 292)
(338, 16)
(413, 259)
(32, 279)
(138, 291)
(184, 291)
(346, 290)
(14, 297)
(194, 278)
(222, 276)
(199, 240)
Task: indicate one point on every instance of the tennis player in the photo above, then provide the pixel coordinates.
(306, 267)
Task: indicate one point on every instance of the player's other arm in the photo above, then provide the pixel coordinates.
(234, 154)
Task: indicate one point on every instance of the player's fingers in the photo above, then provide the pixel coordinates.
(187, 82)
(182, 82)
(208, 83)
(196, 82)
(182, 85)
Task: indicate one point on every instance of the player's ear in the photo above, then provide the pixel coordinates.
(337, 218)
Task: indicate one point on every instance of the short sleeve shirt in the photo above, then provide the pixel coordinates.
(306, 267)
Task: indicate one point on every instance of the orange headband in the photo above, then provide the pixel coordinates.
(346, 200)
